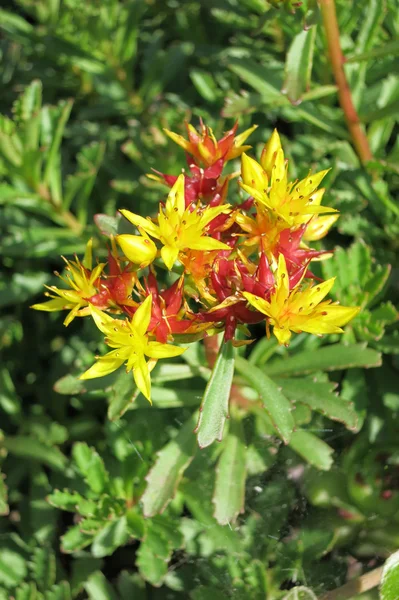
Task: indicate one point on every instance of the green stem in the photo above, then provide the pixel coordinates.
(337, 60)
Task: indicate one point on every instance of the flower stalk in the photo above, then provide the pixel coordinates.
(337, 59)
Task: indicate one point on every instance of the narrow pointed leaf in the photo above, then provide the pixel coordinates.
(329, 358)
(312, 449)
(172, 461)
(276, 404)
(230, 477)
(298, 66)
(214, 408)
(320, 396)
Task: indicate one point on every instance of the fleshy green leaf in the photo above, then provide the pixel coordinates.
(98, 588)
(276, 404)
(64, 500)
(114, 535)
(390, 578)
(312, 449)
(298, 66)
(32, 449)
(319, 396)
(91, 465)
(229, 492)
(214, 408)
(165, 475)
(329, 358)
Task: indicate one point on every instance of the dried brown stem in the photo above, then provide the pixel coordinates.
(364, 583)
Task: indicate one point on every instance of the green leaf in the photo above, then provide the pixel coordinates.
(64, 500)
(300, 593)
(110, 538)
(26, 591)
(98, 588)
(229, 492)
(214, 408)
(312, 449)
(165, 475)
(108, 225)
(75, 539)
(91, 465)
(123, 393)
(298, 66)
(329, 358)
(13, 568)
(204, 84)
(389, 49)
(319, 396)
(30, 448)
(390, 578)
(4, 508)
(43, 568)
(151, 567)
(276, 404)
(60, 591)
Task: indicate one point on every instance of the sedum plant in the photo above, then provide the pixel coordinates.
(233, 265)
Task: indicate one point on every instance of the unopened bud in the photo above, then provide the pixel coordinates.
(138, 249)
(269, 153)
(253, 174)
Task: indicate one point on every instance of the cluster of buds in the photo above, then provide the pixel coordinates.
(232, 265)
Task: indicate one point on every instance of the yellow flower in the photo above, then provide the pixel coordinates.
(301, 309)
(131, 345)
(139, 249)
(293, 202)
(81, 279)
(179, 228)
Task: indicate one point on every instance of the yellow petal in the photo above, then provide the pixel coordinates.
(88, 257)
(138, 221)
(207, 243)
(71, 315)
(169, 255)
(142, 316)
(103, 366)
(253, 174)
(240, 139)
(282, 282)
(179, 139)
(52, 305)
(283, 334)
(318, 227)
(175, 199)
(260, 304)
(158, 350)
(142, 378)
(101, 319)
(318, 292)
(269, 152)
(138, 249)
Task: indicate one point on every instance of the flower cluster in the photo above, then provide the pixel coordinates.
(232, 265)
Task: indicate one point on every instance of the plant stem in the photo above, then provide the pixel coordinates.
(337, 59)
(71, 221)
(357, 586)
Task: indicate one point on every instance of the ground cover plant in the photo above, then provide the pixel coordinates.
(188, 159)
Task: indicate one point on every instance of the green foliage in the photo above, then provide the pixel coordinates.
(303, 483)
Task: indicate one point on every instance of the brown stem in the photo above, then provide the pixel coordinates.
(357, 586)
(337, 59)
